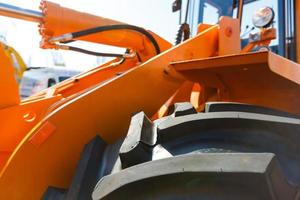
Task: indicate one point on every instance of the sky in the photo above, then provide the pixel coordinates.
(154, 15)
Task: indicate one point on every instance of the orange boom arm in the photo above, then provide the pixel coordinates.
(58, 20)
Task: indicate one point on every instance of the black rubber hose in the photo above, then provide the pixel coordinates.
(118, 27)
(95, 53)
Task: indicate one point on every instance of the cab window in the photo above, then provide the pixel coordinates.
(214, 9)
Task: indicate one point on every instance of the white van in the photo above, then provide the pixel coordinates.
(37, 79)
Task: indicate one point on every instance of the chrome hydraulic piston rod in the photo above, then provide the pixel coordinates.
(20, 13)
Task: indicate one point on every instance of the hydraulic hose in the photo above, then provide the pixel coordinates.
(95, 53)
(80, 50)
(70, 36)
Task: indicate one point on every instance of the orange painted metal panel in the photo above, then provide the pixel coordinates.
(229, 36)
(17, 121)
(261, 78)
(103, 110)
(8, 84)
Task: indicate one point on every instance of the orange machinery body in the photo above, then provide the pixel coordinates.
(41, 138)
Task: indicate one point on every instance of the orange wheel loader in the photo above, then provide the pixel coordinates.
(214, 116)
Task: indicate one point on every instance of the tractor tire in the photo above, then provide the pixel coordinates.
(230, 151)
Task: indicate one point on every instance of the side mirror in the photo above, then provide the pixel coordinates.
(176, 5)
